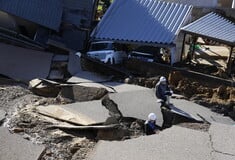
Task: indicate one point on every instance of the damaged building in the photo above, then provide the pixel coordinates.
(161, 24)
(151, 23)
(41, 35)
(214, 27)
(51, 22)
(58, 103)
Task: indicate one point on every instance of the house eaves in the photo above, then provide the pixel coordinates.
(213, 26)
(47, 13)
(142, 21)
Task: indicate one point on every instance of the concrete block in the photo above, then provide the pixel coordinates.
(223, 138)
(220, 156)
(175, 143)
(2, 116)
(14, 147)
(24, 64)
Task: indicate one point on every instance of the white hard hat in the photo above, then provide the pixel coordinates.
(162, 79)
(152, 116)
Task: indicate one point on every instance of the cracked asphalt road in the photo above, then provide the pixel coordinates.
(175, 143)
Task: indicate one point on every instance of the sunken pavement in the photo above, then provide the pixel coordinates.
(113, 113)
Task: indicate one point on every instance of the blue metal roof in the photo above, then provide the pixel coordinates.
(213, 26)
(198, 3)
(47, 13)
(144, 21)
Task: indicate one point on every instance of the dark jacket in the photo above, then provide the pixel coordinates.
(150, 128)
(162, 90)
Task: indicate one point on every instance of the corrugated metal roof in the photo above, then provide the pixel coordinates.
(198, 3)
(145, 21)
(214, 26)
(47, 13)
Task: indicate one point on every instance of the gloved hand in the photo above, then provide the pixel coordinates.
(168, 93)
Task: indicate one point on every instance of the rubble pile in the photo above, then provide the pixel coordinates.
(21, 118)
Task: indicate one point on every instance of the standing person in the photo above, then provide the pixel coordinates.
(163, 92)
(150, 126)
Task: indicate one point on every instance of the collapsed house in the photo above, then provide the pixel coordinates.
(51, 22)
(41, 35)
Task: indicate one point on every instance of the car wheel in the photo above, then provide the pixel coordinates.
(109, 61)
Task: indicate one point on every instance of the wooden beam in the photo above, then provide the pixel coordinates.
(229, 63)
(182, 51)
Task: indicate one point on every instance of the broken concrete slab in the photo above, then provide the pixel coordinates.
(24, 64)
(2, 116)
(221, 156)
(59, 113)
(98, 85)
(85, 76)
(175, 143)
(93, 109)
(182, 113)
(44, 87)
(138, 104)
(114, 87)
(200, 111)
(222, 138)
(122, 87)
(81, 93)
(14, 147)
(84, 113)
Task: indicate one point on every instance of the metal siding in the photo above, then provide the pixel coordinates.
(47, 13)
(78, 4)
(72, 18)
(213, 25)
(75, 10)
(75, 39)
(148, 21)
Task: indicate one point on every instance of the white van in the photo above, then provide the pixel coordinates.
(107, 52)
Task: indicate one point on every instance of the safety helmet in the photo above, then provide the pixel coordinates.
(162, 79)
(152, 116)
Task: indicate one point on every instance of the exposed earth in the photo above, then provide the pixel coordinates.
(18, 101)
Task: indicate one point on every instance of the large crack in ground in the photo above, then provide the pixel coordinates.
(216, 151)
(132, 127)
(129, 127)
(65, 144)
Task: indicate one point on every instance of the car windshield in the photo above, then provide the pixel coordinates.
(148, 49)
(101, 46)
(139, 54)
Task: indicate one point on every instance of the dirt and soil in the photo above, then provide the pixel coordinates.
(17, 101)
(20, 105)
